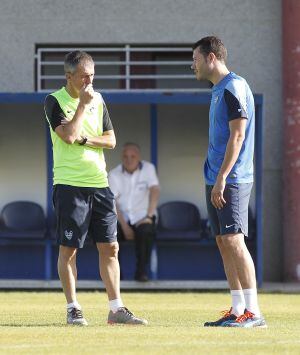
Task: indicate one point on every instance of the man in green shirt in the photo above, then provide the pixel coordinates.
(80, 129)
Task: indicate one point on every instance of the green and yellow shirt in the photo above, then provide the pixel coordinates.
(74, 164)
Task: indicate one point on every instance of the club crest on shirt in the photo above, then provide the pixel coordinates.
(216, 99)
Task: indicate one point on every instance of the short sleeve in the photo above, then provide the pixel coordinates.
(107, 125)
(53, 111)
(236, 100)
(152, 176)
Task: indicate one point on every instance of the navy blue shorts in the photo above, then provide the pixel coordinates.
(82, 211)
(233, 217)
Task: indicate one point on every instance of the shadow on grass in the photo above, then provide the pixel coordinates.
(33, 325)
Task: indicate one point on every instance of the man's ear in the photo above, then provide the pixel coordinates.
(211, 57)
(68, 76)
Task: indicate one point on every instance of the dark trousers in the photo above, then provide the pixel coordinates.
(144, 236)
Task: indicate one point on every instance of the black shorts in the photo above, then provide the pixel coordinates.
(233, 217)
(82, 211)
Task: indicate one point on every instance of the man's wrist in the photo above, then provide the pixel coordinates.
(221, 177)
(83, 141)
(82, 105)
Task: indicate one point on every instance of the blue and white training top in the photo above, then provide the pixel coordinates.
(231, 99)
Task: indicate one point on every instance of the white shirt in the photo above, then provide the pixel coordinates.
(132, 190)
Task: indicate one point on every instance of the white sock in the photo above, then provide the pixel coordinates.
(74, 304)
(238, 302)
(250, 295)
(114, 305)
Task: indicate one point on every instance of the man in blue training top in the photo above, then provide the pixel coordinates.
(228, 174)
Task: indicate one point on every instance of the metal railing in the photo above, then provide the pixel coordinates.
(167, 70)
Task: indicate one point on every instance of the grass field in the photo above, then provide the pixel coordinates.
(34, 323)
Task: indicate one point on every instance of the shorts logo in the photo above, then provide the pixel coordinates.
(229, 226)
(69, 234)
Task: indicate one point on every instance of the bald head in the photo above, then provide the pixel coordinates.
(131, 157)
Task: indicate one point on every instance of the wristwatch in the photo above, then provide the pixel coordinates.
(84, 140)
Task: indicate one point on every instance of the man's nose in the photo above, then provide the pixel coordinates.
(88, 80)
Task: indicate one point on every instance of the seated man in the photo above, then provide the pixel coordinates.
(136, 189)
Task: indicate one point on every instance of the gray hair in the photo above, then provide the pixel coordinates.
(73, 59)
(131, 145)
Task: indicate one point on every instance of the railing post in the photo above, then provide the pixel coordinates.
(127, 66)
(39, 70)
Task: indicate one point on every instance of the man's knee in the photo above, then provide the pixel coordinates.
(108, 250)
(233, 242)
(219, 241)
(66, 254)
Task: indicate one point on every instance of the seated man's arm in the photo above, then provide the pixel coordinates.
(153, 200)
(154, 191)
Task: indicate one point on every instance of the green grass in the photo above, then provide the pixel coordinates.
(34, 323)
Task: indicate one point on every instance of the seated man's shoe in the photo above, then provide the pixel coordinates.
(141, 277)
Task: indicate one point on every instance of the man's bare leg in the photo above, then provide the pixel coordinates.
(235, 245)
(237, 296)
(229, 264)
(110, 274)
(109, 268)
(67, 271)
